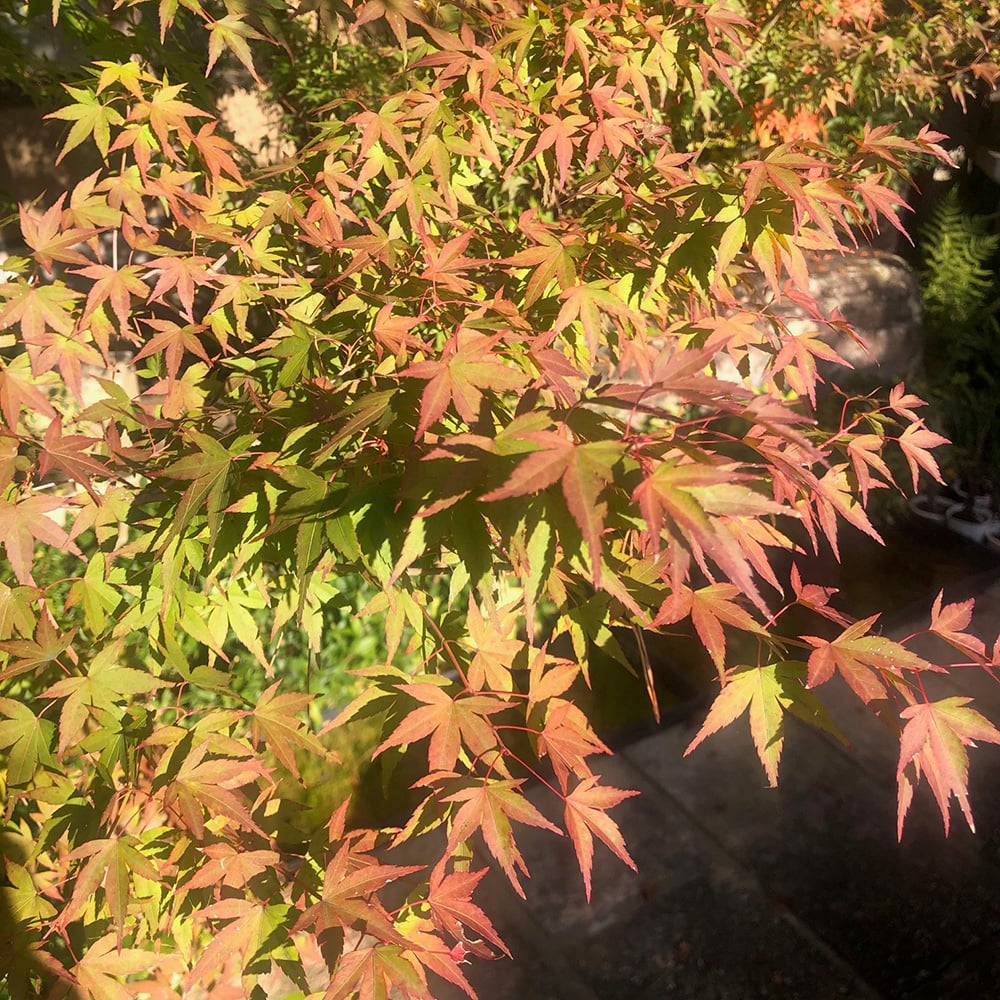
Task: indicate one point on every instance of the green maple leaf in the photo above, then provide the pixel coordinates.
(208, 471)
(90, 118)
(768, 692)
(95, 594)
(16, 615)
(232, 32)
(275, 720)
(27, 739)
(107, 685)
(23, 900)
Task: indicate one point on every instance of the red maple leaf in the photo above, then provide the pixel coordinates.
(49, 241)
(582, 470)
(68, 453)
(568, 741)
(468, 367)
(934, 741)
(915, 442)
(450, 722)
(948, 621)
(24, 522)
(861, 657)
(489, 806)
(586, 815)
(454, 913)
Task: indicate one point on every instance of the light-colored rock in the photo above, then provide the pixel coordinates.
(255, 125)
(878, 294)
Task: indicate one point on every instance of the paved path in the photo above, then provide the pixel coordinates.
(747, 892)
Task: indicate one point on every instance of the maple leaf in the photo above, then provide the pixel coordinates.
(451, 723)
(880, 199)
(816, 598)
(568, 740)
(495, 645)
(948, 621)
(216, 152)
(468, 366)
(251, 928)
(713, 606)
(68, 453)
(174, 341)
(39, 309)
(768, 691)
(559, 134)
(933, 741)
(208, 472)
(914, 442)
(116, 285)
(212, 785)
(23, 900)
(545, 684)
(105, 685)
(232, 32)
(90, 118)
(586, 815)
(864, 451)
(46, 647)
(349, 896)
(695, 498)
(583, 471)
(47, 238)
(24, 522)
(489, 806)
(551, 259)
(104, 966)
(111, 865)
(27, 739)
(377, 973)
(230, 866)
(861, 657)
(274, 720)
(165, 114)
(453, 912)
(431, 952)
(19, 389)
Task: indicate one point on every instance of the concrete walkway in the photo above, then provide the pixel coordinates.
(748, 892)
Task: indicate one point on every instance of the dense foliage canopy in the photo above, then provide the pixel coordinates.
(482, 350)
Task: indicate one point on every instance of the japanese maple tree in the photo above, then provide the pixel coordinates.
(466, 345)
